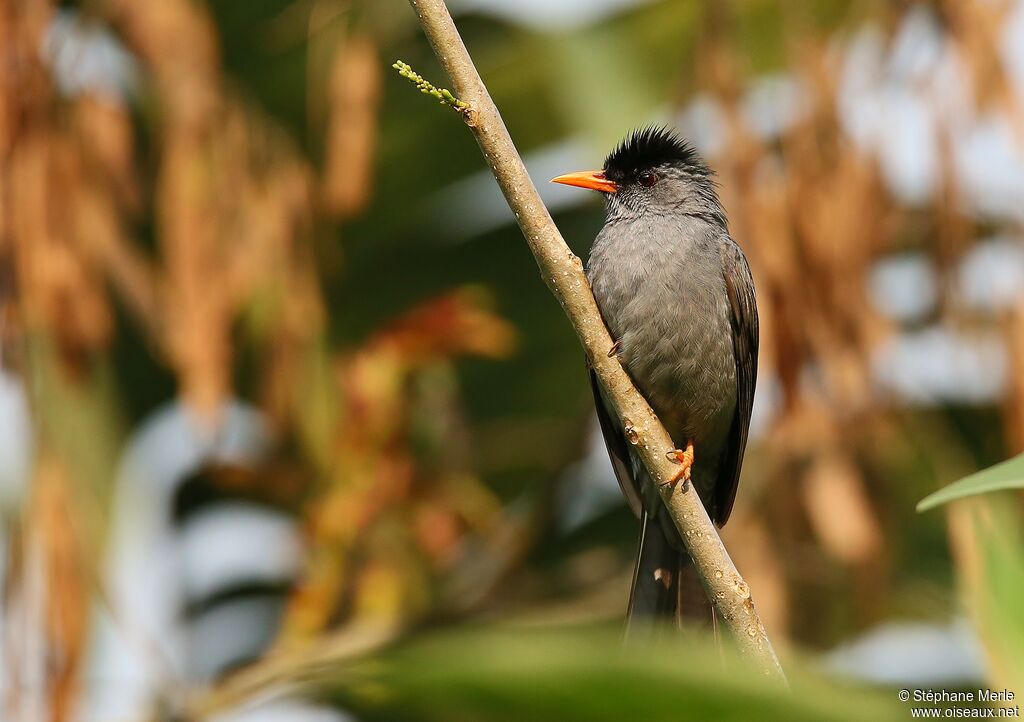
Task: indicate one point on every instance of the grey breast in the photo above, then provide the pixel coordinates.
(659, 285)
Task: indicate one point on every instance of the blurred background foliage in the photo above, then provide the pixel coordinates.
(246, 270)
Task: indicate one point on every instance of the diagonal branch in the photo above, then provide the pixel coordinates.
(563, 273)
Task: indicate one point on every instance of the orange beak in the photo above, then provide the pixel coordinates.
(592, 179)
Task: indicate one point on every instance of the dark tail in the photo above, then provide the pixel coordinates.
(666, 590)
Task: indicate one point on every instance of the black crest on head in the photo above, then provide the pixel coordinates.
(650, 147)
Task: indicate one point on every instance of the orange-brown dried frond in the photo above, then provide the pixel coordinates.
(47, 600)
(58, 275)
(355, 93)
(978, 28)
(454, 324)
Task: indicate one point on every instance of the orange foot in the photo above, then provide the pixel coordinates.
(685, 460)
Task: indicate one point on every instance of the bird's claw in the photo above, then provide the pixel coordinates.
(616, 347)
(684, 458)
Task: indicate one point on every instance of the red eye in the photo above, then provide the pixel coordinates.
(647, 178)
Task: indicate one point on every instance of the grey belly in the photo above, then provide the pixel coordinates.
(688, 375)
(677, 347)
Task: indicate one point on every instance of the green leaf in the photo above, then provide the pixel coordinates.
(585, 675)
(1005, 587)
(992, 559)
(1007, 475)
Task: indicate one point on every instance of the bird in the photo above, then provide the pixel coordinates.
(676, 293)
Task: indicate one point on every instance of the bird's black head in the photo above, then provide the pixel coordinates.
(654, 171)
(648, 150)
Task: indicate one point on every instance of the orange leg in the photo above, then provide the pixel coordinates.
(685, 460)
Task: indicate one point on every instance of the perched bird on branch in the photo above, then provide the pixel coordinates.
(677, 296)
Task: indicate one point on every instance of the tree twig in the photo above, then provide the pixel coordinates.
(563, 272)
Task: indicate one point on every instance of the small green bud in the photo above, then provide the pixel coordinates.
(443, 95)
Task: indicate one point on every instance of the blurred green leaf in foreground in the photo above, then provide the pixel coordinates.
(581, 674)
(985, 529)
(1007, 475)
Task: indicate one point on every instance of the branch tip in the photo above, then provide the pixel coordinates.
(443, 95)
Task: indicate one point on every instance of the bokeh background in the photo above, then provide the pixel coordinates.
(277, 368)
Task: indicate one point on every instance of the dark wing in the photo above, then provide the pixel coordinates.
(618, 449)
(739, 286)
